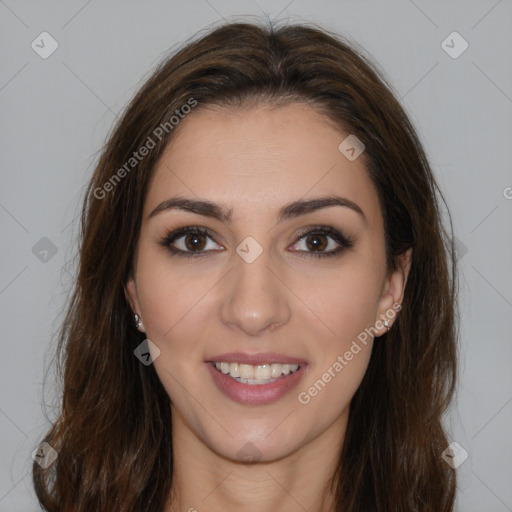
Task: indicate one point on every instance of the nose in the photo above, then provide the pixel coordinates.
(255, 301)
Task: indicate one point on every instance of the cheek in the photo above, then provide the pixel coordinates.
(340, 365)
(331, 386)
(347, 307)
(345, 301)
(175, 309)
(170, 295)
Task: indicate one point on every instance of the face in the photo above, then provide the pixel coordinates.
(273, 258)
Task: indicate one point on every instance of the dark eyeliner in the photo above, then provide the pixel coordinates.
(345, 242)
(169, 238)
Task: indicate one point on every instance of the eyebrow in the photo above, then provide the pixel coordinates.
(291, 210)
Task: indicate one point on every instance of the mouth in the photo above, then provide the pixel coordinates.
(260, 374)
(266, 380)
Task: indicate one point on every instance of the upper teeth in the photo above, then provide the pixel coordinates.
(259, 372)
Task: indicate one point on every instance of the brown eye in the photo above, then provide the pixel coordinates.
(316, 242)
(190, 241)
(195, 242)
(322, 241)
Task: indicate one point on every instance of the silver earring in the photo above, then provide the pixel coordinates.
(138, 322)
(385, 323)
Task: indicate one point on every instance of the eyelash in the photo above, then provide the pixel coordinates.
(344, 242)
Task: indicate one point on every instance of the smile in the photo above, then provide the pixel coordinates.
(257, 384)
(256, 374)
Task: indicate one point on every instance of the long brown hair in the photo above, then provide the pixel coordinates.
(113, 434)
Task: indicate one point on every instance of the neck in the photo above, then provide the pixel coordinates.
(205, 480)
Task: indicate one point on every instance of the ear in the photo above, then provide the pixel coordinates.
(130, 292)
(393, 292)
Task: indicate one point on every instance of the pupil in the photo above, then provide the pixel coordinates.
(316, 242)
(194, 242)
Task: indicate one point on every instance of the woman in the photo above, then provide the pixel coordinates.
(264, 315)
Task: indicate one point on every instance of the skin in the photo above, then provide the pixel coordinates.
(254, 162)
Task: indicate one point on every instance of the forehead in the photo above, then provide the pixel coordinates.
(256, 159)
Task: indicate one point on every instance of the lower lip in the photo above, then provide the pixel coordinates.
(255, 394)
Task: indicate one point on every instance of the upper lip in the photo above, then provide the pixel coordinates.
(256, 359)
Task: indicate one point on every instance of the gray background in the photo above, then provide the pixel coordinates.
(56, 113)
